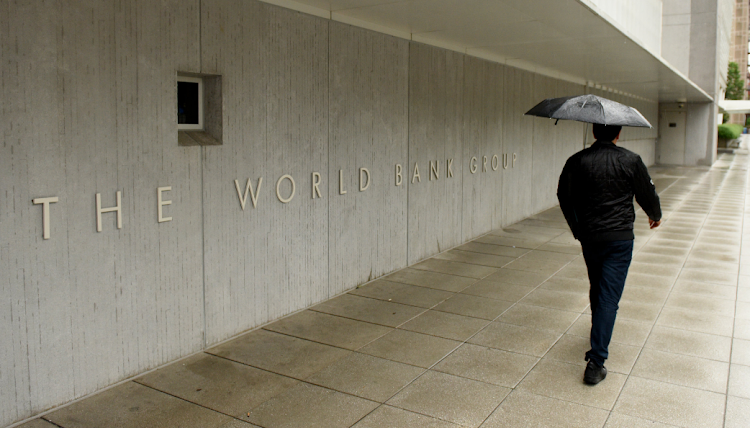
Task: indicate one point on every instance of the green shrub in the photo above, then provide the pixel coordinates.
(747, 122)
(730, 131)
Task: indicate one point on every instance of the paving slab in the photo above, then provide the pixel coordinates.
(132, 405)
(329, 329)
(645, 295)
(564, 381)
(365, 376)
(574, 285)
(741, 352)
(702, 322)
(539, 317)
(307, 405)
(468, 403)
(702, 289)
(408, 347)
(562, 300)
(389, 417)
(628, 332)
(498, 290)
(739, 381)
(618, 420)
(525, 410)
(685, 342)
(218, 384)
(690, 302)
(455, 268)
(517, 277)
(406, 294)
(279, 353)
(374, 311)
(511, 242)
(671, 404)
(535, 266)
(487, 365)
(515, 338)
(572, 349)
(37, 423)
(738, 412)
(445, 325)
(498, 250)
(470, 257)
(694, 372)
(436, 280)
(474, 306)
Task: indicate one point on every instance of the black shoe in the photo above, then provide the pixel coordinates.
(594, 373)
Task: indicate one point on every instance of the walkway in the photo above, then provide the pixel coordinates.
(491, 334)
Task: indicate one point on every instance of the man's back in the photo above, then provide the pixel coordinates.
(596, 192)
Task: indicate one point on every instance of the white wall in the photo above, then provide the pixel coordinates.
(640, 19)
(88, 96)
(675, 43)
(697, 39)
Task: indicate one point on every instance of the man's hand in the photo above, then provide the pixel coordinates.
(654, 224)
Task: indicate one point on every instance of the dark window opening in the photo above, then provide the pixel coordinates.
(188, 103)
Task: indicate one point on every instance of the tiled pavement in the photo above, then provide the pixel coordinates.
(491, 334)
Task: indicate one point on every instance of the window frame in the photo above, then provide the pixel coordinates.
(201, 107)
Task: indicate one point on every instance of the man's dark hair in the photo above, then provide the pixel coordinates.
(606, 133)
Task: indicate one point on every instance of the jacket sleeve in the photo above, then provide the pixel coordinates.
(645, 192)
(565, 196)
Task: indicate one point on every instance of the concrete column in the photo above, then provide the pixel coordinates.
(701, 134)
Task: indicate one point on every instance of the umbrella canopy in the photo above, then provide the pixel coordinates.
(590, 109)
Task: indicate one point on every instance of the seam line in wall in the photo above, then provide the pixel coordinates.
(203, 185)
(408, 145)
(328, 155)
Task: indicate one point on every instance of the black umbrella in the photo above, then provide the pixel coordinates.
(589, 109)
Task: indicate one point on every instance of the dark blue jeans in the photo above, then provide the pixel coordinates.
(607, 264)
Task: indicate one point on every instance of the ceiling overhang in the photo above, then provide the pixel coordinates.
(565, 39)
(734, 106)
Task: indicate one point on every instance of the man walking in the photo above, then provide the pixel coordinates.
(596, 192)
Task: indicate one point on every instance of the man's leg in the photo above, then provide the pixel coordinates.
(608, 264)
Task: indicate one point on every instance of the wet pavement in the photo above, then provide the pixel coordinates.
(491, 334)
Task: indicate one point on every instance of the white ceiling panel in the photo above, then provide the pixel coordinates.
(558, 37)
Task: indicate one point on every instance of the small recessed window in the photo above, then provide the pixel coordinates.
(189, 103)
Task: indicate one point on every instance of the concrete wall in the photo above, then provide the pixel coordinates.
(88, 92)
(697, 36)
(641, 19)
(675, 42)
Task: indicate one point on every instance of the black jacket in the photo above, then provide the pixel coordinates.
(596, 192)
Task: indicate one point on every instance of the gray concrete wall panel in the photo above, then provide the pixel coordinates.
(268, 260)
(482, 138)
(701, 127)
(552, 144)
(436, 84)
(517, 139)
(703, 51)
(84, 92)
(369, 84)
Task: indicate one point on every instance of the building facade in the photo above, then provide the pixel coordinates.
(335, 150)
